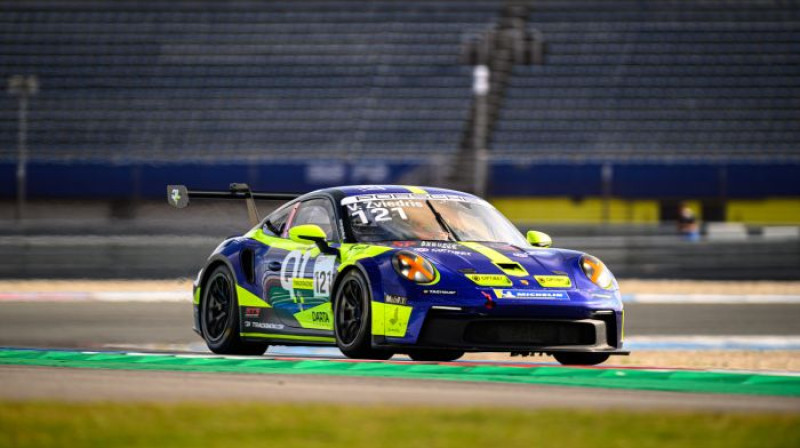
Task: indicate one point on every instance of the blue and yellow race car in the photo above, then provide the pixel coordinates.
(383, 269)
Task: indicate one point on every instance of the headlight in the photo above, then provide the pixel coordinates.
(597, 272)
(413, 267)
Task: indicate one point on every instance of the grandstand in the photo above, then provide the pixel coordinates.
(188, 80)
(675, 99)
(663, 80)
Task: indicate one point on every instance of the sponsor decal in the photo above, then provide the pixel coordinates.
(553, 281)
(395, 300)
(519, 254)
(439, 245)
(440, 292)
(320, 317)
(527, 294)
(250, 312)
(525, 282)
(489, 279)
(408, 197)
(390, 319)
(403, 243)
(264, 325)
(302, 283)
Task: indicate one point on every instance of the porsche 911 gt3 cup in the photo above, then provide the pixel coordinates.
(384, 269)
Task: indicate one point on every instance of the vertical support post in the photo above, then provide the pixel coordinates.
(607, 176)
(22, 156)
(23, 87)
(480, 88)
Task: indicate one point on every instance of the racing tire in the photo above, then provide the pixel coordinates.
(352, 321)
(581, 359)
(435, 355)
(219, 317)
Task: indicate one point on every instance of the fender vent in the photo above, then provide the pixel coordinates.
(248, 265)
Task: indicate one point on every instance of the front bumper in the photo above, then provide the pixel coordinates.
(595, 332)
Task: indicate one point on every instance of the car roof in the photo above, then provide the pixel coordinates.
(355, 190)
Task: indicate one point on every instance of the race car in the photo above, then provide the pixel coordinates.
(378, 270)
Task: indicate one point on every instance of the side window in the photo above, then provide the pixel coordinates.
(318, 212)
(274, 225)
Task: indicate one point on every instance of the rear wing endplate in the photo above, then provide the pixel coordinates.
(178, 196)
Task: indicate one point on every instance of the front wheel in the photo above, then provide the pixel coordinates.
(353, 318)
(219, 317)
(581, 359)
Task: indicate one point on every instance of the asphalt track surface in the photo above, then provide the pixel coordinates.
(95, 325)
(45, 383)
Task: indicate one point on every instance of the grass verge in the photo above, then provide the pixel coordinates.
(35, 424)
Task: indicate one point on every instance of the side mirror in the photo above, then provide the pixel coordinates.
(311, 233)
(539, 239)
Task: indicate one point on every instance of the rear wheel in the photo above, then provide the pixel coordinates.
(435, 355)
(581, 359)
(353, 318)
(219, 317)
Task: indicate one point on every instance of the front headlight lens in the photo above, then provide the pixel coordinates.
(597, 272)
(413, 267)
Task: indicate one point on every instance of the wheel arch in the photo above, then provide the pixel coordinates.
(212, 264)
(351, 267)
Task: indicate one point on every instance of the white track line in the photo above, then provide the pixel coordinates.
(717, 342)
(186, 296)
(726, 299)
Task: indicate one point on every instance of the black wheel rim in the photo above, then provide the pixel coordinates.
(349, 313)
(218, 305)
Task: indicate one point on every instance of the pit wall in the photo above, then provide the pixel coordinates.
(544, 192)
(596, 210)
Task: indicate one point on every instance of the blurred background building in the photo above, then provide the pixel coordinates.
(597, 121)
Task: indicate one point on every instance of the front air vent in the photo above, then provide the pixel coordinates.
(527, 333)
(512, 268)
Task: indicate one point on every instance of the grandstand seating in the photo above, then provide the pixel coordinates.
(656, 79)
(204, 79)
(236, 80)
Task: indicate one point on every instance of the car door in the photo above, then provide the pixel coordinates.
(305, 275)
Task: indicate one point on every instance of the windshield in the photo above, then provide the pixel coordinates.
(411, 217)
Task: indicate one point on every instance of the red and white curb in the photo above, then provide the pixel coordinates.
(98, 296)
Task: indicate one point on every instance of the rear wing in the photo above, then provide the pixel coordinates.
(178, 196)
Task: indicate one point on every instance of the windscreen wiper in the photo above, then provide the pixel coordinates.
(442, 222)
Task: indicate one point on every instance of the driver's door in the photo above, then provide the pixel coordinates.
(302, 291)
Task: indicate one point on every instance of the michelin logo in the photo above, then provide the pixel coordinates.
(525, 294)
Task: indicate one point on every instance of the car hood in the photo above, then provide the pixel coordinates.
(492, 258)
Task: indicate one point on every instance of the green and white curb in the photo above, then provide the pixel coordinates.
(615, 378)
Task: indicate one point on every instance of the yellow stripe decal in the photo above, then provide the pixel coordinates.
(247, 298)
(491, 254)
(496, 258)
(415, 190)
(291, 337)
